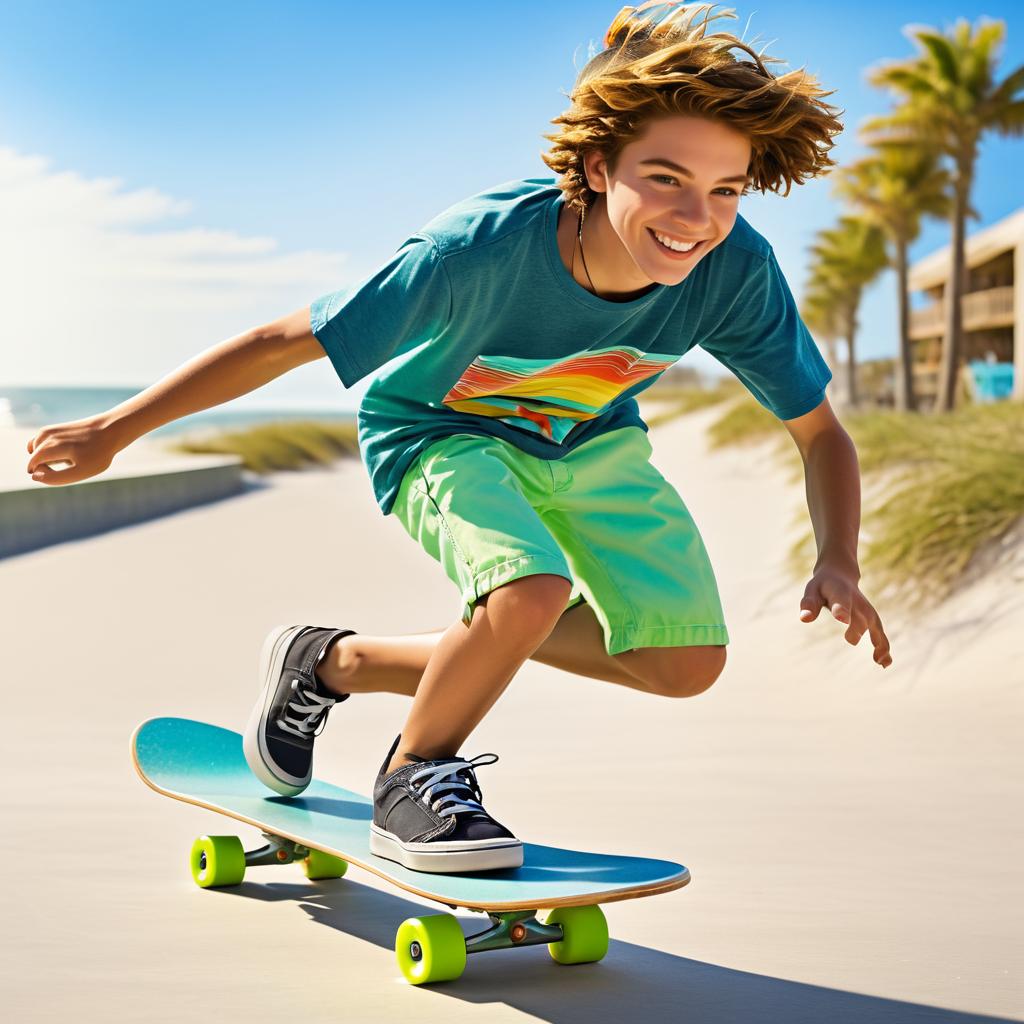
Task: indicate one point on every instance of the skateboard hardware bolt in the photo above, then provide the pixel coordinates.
(415, 951)
(518, 933)
(282, 855)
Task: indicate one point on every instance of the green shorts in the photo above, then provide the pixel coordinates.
(602, 516)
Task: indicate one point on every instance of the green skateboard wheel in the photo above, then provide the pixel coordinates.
(431, 948)
(585, 934)
(319, 865)
(217, 860)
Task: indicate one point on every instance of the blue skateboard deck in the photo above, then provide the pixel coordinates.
(204, 765)
(326, 828)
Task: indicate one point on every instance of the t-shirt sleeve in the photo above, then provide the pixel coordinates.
(764, 342)
(404, 303)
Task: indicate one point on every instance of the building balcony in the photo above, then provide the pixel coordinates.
(982, 310)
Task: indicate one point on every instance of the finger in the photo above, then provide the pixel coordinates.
(881, 642)
(54, 474)
(38, 438)
(49, 453)
(857, 629)
(841, 611)
(810, 604)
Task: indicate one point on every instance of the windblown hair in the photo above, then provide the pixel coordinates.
(660, 60)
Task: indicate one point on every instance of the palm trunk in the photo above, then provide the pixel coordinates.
(905, 398)
(952, 342)
(831, 353)
(851, 363)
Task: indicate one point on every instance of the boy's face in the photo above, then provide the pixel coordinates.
(643, 197)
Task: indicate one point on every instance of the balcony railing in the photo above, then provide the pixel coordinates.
(991, 308)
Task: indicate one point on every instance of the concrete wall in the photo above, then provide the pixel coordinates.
(36, 515)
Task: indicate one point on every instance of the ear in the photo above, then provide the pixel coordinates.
(595, 168)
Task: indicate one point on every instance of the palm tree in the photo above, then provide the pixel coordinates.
(895, 187)
(819, 309)
(951, 99)
(845, 259)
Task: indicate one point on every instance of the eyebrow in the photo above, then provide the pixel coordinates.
(687, 173)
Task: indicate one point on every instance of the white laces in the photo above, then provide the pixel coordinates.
(434, 785)
(310, 711)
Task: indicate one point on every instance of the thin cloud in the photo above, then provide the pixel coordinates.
(99, 287)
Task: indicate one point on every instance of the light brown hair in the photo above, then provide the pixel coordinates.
(660, 60)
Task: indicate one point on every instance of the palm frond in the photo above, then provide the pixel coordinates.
(962, 33)
(904, 126)
(1006, 91)
(1010, 119)
(982, 56)
(942, 53)
(896, 185)
(907, 78)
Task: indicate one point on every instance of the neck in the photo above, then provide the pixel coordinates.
(612, 273)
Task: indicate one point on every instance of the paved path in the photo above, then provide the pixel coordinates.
(854, 834)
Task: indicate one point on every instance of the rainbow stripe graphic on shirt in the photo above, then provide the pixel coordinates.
(550, 398)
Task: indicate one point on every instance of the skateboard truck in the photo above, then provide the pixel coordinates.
(277, 851)
(514, 928)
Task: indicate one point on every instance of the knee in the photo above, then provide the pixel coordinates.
(683, 671)
(531, 605)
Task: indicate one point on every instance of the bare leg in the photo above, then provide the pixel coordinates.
(395, 664)
(469, 668)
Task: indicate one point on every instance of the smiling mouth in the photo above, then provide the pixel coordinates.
(675, 253)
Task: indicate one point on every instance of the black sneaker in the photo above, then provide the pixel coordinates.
(427, 816)
(278, 741)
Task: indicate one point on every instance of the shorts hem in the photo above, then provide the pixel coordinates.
(706, 634)
(506, 572)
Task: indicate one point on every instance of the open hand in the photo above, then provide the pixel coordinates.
(838, 591)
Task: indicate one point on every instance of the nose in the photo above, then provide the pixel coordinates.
(692, 212)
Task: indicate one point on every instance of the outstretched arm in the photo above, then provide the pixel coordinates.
(832, 476)
(221, 373)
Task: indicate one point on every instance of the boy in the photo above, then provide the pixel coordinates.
(516, 329)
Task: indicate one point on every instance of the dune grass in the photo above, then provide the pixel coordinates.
(957, 491)
(680, 399)
(744, 422)
(283, 445)
(942, 495)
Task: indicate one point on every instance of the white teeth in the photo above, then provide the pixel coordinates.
(676, 246)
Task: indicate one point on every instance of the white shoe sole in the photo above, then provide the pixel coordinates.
(452, 857)
(256, 754)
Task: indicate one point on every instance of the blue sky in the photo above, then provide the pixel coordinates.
(185, 171)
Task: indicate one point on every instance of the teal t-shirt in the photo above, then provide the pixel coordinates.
(477, 327)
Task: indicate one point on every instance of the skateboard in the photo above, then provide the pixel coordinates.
(327, 828)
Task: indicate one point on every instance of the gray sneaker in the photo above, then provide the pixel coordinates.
(427, 816)
(292, 707)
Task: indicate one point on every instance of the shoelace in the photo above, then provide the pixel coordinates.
(435, 785)
(311, 711)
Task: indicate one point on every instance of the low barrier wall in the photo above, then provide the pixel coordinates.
(38, 515)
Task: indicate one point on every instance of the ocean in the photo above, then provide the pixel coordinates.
(41, 407)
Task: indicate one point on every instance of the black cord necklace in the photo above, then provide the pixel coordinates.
(579, 237)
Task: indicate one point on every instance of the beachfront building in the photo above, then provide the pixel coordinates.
(993, 310)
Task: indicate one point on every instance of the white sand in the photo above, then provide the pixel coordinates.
(854, 834)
